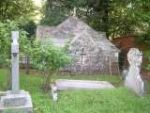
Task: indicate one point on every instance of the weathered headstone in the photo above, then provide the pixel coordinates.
(16, 100)
(133, 79)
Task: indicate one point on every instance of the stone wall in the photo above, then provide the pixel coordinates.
(88, 57)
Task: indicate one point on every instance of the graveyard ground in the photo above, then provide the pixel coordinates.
(119, 100)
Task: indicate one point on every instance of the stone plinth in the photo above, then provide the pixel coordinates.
(16, 103)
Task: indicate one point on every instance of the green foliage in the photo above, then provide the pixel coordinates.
(94, 12)
(98, 14)
(147, 58)
(52, 13)
(121, 20)
(115, 17)
(144, 37)
(46, 56)
(30, 27)
(14, 9)
(5, 40)
(128, 17)
(118, 100)
(21, 12)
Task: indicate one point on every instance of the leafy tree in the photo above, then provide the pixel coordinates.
(98, 14)
(14, 9)
(30, 28)
(53, 12)
(5, 39)
(115, 17)
(20, 12)
(129, 17)
(5, 44)
(94, 12)
(48, 59)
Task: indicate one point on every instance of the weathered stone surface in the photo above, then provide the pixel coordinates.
(133, 79)
(15, 61)
(63, 84)
(91, 51)
(16, 103)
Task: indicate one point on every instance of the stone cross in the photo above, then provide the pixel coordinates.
(15, 62)
(16, 100)
(133, 79)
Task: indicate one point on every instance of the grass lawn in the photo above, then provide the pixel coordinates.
(118, 100)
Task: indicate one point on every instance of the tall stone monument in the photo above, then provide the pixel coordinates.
(15, 62)
(15, 100)
(133, 79)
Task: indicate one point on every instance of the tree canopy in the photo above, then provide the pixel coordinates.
(5, 40)
(14, 9)
(115, 17)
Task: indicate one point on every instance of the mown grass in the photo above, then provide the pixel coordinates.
(119, 100)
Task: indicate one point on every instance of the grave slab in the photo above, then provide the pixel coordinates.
(64, 84)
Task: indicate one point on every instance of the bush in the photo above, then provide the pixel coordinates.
(48, 59)
(5, 40)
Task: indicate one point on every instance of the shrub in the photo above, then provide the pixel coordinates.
(48, 59)
(5, 40)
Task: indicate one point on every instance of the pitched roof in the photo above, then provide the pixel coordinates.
(73, 28)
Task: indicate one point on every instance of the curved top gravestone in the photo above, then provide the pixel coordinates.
(134, 57)
(133, 79)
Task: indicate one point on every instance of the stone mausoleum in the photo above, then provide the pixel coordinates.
(92, 52)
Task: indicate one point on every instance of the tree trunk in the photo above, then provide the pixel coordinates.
(47, 80)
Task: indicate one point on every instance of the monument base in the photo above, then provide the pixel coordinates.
(16, 103)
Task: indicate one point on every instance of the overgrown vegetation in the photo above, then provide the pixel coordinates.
(16, 9)
(17, 15)
(115, 17)
(47, 58)
(118, 100)
(5, 40)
